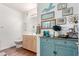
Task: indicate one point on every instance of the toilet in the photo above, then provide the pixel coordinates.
(18, 43)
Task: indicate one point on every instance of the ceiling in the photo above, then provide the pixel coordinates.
(23, 7)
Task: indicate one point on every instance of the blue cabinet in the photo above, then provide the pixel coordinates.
(45, 47)
(63, 50)
(55, 47)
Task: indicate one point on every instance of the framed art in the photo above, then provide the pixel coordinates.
(45, 25)
(67, 11)
(49, 7)
(38, 29)
(61, 6)
(48, 15)
(61, 21)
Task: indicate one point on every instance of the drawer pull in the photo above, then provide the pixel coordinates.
(55, 52)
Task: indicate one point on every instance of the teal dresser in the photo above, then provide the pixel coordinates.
(58, 47)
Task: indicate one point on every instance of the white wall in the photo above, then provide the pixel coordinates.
(30, 20)
(10, 26)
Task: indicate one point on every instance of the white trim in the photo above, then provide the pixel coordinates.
(38, 45)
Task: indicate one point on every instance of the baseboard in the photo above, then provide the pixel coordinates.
(29, 50)
(7, 47)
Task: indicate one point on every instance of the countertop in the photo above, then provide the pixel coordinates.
(70, 39)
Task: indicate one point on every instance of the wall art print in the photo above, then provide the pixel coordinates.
(61, 6)
(50, 6)
(45, 25)
(67, 11)
(61, 21)
(48, 15)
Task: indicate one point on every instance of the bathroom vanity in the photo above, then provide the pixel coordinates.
(58, 46)
(29, 43)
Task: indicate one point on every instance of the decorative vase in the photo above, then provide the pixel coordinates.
(56, 34)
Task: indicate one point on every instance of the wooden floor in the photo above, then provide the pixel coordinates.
(18, 52)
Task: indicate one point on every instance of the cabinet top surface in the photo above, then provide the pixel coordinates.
(70, 39)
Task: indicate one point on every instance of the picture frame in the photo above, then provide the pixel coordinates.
(67, 11)
(61, 21)
(48, 15)
(61, 6)
(49, 7)
(50, 19)
(45, 25)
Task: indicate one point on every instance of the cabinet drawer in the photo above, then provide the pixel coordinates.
(65, 42)
(64, 51)
(61, 47)
(46, 47)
